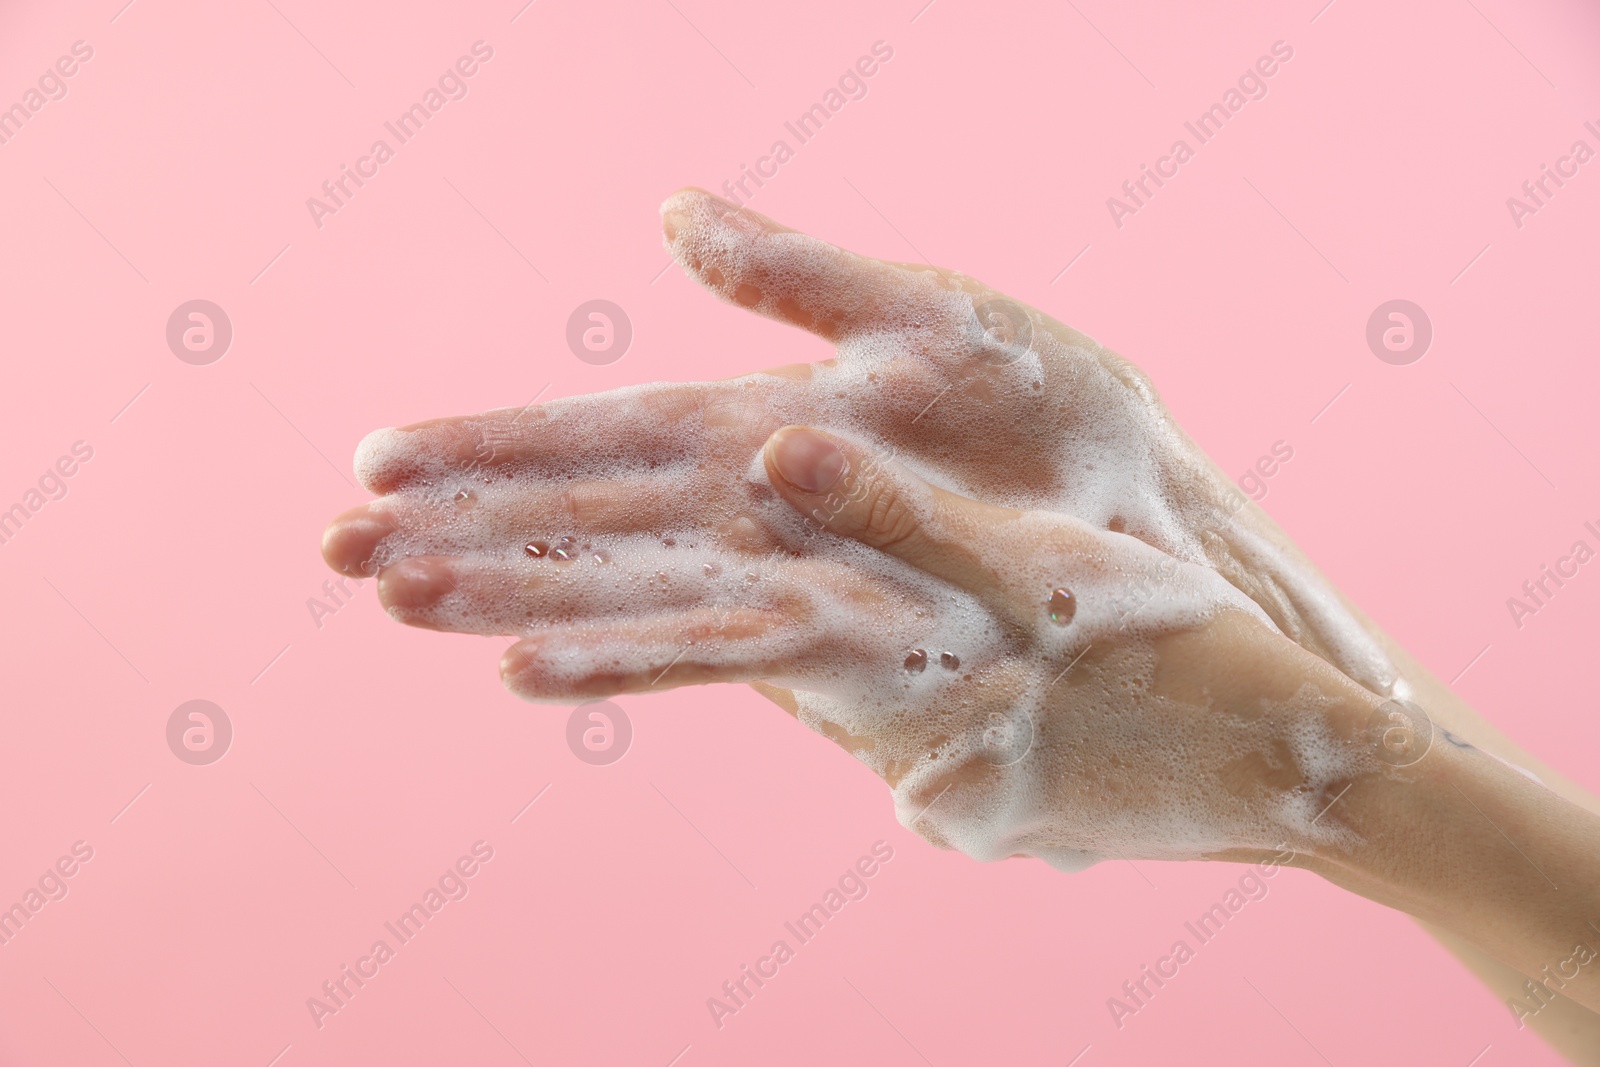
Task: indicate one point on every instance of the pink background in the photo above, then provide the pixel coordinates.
(368, 757)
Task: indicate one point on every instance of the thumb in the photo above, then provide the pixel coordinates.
(871, 499)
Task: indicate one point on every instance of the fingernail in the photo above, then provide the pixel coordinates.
(807, 460)
(672, 221)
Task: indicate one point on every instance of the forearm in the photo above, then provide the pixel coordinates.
(1461, 840)
(1570, 1028)
(1567, 1026)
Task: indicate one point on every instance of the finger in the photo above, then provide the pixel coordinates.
(630, 579)
(350, 543)
(750, 260)
(704, 509)
(497, 596)
(699, 647)
(622, 428)
(512, 516)
(871, 499)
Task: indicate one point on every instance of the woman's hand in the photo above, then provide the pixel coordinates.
(1027, 682)
(1025, 598)
(973, 390)
(638, 539)
(1060, 690)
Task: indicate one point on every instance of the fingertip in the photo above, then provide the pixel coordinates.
(693, 209)
(532, 670)
(862, 497)
(692, 198)
(525, 672)
(684, 194)
(416, 584)
(514, 663)
(380, 461)
(805, 459)
(351, 541)
(689, 208)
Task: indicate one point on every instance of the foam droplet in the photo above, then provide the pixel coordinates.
(949, 660)
(917, 662)
(536, 549)
(1063, 606)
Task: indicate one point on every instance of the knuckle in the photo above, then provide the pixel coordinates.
(1134, 377)
(587, 503)
(568, 504)
(887, 518)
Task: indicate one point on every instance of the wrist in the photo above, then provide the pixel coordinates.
(1288, 735)
(1466, 841)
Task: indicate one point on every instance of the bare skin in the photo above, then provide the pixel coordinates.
(924, 355)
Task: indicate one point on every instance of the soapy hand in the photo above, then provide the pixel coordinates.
(998, 572)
